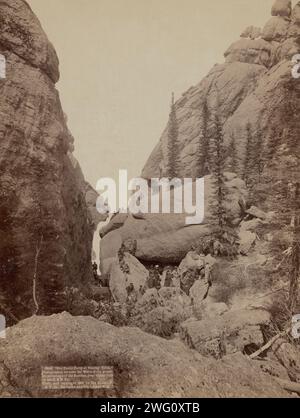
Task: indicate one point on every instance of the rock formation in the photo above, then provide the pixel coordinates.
(165, 238)
(210, 309)
(46, 230)
(145, 365)
(227, 334)
(249, 88)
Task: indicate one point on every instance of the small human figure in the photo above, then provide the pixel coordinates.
(104, 280)
(168, 279)
(130, 289)
(131, 293)
(142, 290)
(157, 278)
(151, 280)
(95, 271)
(217, 248)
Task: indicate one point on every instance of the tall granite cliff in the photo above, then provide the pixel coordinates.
(251, 87)
(46, 228)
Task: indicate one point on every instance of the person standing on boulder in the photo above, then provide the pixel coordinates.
(157, 278)
(95, 271)
(168, 279)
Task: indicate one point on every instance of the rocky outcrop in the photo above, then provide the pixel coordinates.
(144, 365)
(232, 332)
(135, 274)
(249, 88)
(21, 33)
(90, 194)
(288, 355)
(250, 51)
(251, 32)
(282, 8)
(45, 228)
(276, 29)
(166, 238)
(247, 241)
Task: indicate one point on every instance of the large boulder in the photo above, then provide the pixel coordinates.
(189, 270)
(250, 51)
(288, 355)
(257, 213)
(144, 365)
(275, 29)
(247, 241)
(232, 332)
(294, 29)
(171, 246)
(210, 310)
(166, 238)
(199, 291)
(192, 261)
(296, 14)
(195, 275)
(119, 280)
(288, 48)
(251, 225)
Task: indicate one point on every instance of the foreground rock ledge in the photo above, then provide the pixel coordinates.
(145, 365)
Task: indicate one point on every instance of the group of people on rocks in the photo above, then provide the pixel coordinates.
(193, 276)
(154, 279)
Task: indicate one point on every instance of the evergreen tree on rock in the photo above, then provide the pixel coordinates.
(203, 165)
(249, 157)
(221, 221)
(172, 170)
(232, 156)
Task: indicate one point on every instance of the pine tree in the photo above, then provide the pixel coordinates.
(172, 164)
(232, 156)
(249, 157)
(203, 149)
(281, 182)
(273, 143)
(284, 200)
(220, 190)
(295, 252)
(290, 156)
(223, 231)
(258, 154)
(268, 168)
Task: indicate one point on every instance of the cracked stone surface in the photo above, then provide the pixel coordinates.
(144, 365)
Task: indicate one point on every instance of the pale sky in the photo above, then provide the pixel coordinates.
(120, 60)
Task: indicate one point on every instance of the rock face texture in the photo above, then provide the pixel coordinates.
(233, 332)
(45, 228)
(135, 274)
(249, 88)
(145, 365)
(282, 8)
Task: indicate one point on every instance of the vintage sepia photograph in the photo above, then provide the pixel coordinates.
(149, 202)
